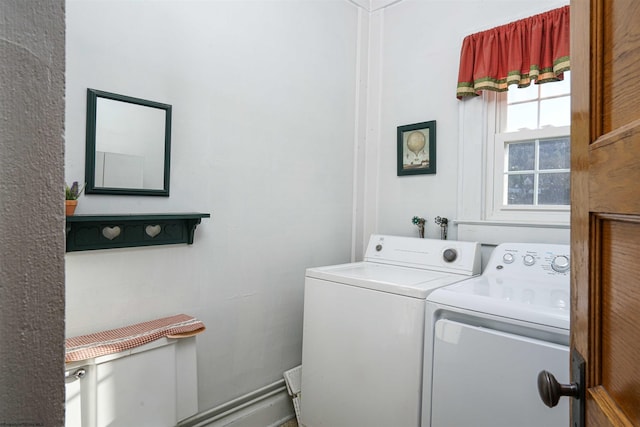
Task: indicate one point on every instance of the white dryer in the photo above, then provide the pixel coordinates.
(364, 328)
(493, 334)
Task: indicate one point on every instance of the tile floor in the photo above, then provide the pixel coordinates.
(290, 423)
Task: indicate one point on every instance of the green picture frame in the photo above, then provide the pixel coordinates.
(154, 157)
(417, 148)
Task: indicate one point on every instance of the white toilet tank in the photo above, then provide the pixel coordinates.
(153, 385)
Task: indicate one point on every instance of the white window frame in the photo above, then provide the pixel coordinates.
(480, 218)
(495, 209)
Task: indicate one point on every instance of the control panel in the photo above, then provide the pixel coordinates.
(530, 259)
(440, 255)
(533, 274)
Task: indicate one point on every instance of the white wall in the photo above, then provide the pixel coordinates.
(276, 106)
(417, 55)
(264, 118)
(32, 222)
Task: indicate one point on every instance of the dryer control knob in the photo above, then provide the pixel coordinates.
(529, 260)
(508, 258)
(560, 263)
(450, 255)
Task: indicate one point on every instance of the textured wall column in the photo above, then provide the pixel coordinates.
(32, 37)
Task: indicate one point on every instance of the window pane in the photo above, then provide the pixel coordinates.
(522, 116)
(556, 88)
(555, 112)
(553, 189)
(517, 94)
(520, 189)
(554, 154)
(521, 156)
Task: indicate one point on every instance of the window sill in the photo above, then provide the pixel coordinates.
(496, 232)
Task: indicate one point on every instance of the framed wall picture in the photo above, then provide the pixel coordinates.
(417, 148)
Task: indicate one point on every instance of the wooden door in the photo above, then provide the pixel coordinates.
(605, 222)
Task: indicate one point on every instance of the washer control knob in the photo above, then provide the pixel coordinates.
(508, 258)
(378, 248)
(560, 263)
(529, 260)
(450, 255)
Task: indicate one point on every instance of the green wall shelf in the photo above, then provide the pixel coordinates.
(90, 232)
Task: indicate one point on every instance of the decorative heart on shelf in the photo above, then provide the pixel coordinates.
(111, 232)
(153, 230)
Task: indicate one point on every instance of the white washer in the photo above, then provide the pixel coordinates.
(364, 328)
(493, 334)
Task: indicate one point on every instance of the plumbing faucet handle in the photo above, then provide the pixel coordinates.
(441, 221)
(444, 224)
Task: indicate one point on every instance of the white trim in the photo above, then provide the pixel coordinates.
(381, 4)
(366, 220)
(512, 223)
(268, 406)
(361, 4)
(360, 137)
(472, 148)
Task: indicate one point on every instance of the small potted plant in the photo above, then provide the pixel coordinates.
(71, 197)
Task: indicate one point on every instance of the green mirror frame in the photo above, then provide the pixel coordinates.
(93, 97)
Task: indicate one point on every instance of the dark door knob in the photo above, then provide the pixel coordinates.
(550, 389)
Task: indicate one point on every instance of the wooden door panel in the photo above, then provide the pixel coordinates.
(615, 158)
(602, 410)
(605, 206)
(619, 296)
(620, 36)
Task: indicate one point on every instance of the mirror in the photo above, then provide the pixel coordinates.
(128, 145)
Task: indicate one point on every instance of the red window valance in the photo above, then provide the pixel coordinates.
(534, 48)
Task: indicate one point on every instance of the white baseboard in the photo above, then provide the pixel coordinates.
(268, 406)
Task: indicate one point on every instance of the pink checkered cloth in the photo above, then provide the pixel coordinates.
(116, 340)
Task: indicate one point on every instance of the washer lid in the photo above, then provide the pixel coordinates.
(411, 282)
(540, 302)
